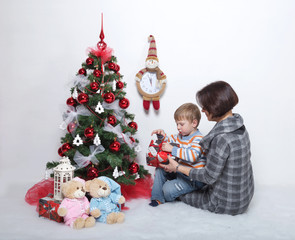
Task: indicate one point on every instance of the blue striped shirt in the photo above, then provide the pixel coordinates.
(189, 151)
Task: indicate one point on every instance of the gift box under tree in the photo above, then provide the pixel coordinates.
(48, 207)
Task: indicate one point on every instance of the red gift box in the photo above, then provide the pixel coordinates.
(48, 207)
(156, 155)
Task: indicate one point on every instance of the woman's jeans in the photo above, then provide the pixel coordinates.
(169, 186)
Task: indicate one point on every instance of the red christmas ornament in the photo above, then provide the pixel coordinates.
(89, 132)
(133, 168)
(71, 102)
(115, 146)
(112, 66)
(120, 85)
(66, 147)
(109, 97)
(94, 86)
(101, 45)
(117, 68)
(97, 73)
(92, 172)
(132, 139)
(83, 98)
(112, 120)
(133, 125)
(82, 71)
(71, 127)
(124, 103)
(89, 61)
(60, 153)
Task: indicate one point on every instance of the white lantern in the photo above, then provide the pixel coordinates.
(63, 172)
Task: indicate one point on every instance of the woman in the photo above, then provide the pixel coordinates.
(228, 171)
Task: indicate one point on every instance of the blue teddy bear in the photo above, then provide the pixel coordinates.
(106, 196)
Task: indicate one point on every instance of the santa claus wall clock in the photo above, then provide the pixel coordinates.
(151, 81)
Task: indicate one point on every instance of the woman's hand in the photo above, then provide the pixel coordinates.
(174, 166)
(171, 167)
(158, 131)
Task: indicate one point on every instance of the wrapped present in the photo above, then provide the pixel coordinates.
(48, 207)
(155, 155)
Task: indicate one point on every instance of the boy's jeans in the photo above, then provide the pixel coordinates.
(169, 186)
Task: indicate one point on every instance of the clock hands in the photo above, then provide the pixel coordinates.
(151, 80)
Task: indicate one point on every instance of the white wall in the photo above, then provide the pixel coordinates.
(249, 44)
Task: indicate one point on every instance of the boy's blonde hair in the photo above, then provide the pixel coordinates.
(188, 111)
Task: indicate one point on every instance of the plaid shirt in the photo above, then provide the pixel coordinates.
(228, 171)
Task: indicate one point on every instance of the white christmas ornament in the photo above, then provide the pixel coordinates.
(137, 176)
(75, 93)
(78, 140)
(96, 140)
(117, 174)
(99, 109)
(114, 86)
(137, 148)
(63, 125)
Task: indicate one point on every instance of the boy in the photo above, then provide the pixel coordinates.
(189, 153)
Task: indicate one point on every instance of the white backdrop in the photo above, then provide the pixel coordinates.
(249, 44)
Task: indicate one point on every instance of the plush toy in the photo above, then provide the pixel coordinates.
(75, 206)
(106, 195)
(151, 81)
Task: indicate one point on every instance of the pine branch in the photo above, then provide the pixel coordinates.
(51, 165)
(114, 160)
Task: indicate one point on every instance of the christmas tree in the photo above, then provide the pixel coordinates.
(99, 138)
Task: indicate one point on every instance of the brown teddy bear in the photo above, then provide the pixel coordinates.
(75, 206)
(106, 195)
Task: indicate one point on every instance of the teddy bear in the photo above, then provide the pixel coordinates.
(106, 195)
(75, 206)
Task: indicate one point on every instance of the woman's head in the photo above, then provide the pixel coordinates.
(217, 99)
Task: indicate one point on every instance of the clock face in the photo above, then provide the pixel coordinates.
(149, 83)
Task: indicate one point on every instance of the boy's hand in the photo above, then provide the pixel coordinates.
(158, 131)
(167, 147)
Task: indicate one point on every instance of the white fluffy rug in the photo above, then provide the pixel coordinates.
(270, 216)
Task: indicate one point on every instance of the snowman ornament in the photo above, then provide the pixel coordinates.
(151, 81)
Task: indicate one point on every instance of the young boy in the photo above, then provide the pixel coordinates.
(168, 185)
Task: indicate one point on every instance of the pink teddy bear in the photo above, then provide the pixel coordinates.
(75, 206)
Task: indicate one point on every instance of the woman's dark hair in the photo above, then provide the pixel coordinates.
(217, 98)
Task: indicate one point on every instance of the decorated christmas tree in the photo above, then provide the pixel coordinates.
(99, 132)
